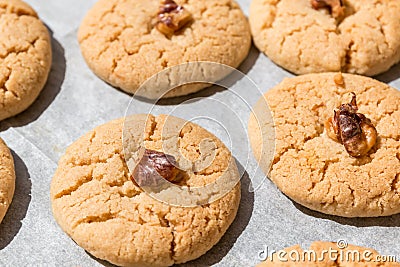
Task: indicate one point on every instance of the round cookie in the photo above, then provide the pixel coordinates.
(121, 45)
(96, 203)
(7, 179)
(314, 170)
(329, 254)
(25, 57)
(304, 40)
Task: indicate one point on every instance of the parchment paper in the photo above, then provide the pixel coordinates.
(75, 101)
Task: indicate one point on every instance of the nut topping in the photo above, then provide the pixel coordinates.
(154, 164)
(335, 6)
(172, 17)
(355, 131)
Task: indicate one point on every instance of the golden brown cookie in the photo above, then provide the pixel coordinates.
(25, 57)
(95, 201)
(7, 178)
(301, 39)
(122, 45)
(318, 172)
(328, 254)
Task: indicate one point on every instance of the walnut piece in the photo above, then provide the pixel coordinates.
(154, 164)
(355, 131)
(172, 17)
(335, 6)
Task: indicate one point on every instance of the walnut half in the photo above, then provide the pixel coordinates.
(355, 131)
(154, 164)
(171, 17)
(336, 7)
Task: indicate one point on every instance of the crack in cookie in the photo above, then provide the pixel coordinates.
(16, 7)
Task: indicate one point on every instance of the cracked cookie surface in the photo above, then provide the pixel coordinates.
(25, 57)
(121, 45)
(353, 256)
(97, 204)
(304, 40)
(316, 171)
(7, 178)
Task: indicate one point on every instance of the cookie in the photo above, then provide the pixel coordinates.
(7, 178)
(96, 202)
(317, 171)
(122, 45)
(328, 254)
(364, 40)
(25, 57)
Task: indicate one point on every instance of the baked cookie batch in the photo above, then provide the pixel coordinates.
(336, 134)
